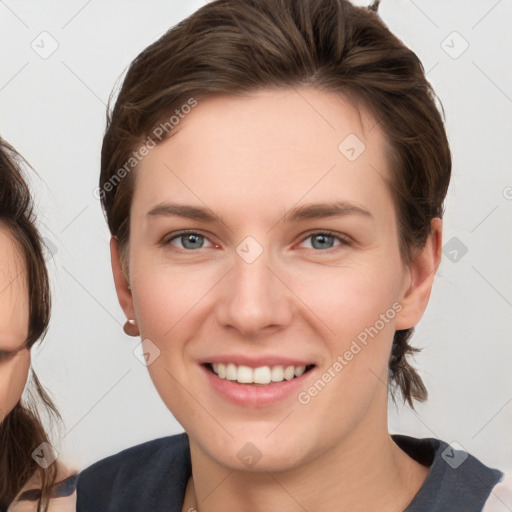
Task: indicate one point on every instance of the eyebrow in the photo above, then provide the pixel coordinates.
(306, 212)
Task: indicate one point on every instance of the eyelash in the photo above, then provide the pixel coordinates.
(342, 240)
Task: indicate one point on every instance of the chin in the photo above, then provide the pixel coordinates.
(253, 449)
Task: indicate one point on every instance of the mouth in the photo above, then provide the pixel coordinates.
(259, 376)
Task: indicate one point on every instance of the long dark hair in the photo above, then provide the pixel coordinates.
(21, 431)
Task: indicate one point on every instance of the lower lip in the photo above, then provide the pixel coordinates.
(255, 395)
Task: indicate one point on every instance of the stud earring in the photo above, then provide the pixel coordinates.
(130, 327)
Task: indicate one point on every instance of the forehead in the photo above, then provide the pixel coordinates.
(273, 147)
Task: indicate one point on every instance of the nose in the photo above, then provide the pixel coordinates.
(254, 299)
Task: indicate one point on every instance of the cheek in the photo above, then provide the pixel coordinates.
(358, 304)
(166, 301)
(13, 377)
(339, 304)
(347, 299)
(350, 299)
(167, 295)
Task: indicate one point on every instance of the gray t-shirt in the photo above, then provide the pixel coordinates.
(154, 475)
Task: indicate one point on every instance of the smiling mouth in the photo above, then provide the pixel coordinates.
(262, 375)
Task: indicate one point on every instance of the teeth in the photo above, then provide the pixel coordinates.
(245, 375)
(289, 373)
(277, 374)
(299, 371)
(230, 372)
(261, 375)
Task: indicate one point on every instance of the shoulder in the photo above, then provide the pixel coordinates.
(149, 456)
(500, 499)
(137, 478)
(456, 480)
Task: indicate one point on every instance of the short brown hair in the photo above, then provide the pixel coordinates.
(235, 47)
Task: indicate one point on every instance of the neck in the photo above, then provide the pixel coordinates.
(365, 471)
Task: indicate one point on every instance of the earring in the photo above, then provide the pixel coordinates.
(130, 327)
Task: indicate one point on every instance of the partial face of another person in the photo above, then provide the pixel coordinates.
(234, 270)
(14, 321)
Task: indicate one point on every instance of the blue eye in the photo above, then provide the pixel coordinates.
(323, 240)
(192, 240)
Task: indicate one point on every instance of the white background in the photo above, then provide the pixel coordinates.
(53, 112)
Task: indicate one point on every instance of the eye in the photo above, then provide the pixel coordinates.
(189, 240)
(192, 240)
(323, 240)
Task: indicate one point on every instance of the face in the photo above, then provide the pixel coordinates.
(14, 318)
(267, 280)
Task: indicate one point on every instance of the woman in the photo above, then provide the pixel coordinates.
(273, 175)
(30, 480)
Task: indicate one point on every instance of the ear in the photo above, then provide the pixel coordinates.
(420, 278)
(124, 294)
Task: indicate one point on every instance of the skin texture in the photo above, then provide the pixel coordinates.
(14, 317)
(251, 160)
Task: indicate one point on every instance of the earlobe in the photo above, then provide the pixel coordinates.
(123, 290)
(422, 271)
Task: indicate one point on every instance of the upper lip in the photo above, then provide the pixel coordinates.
(256, 362)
